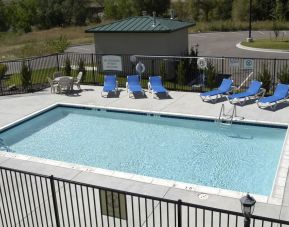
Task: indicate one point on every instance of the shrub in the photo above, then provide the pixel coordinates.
(26, 76)
(265, 78)
(81, 68)
(3, 70)
(67, 67)
(211, 75)
(163, 71)
(59, 45)
(283, 76)
(181, 73)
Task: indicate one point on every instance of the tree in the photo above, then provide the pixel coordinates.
(160, 6)
(279, 11)
(182, 9)
(79, 12)
(50, 13)
(118, 9)
(22, 14)
(240, 10)
(67, 67)
(194, 6)
(3, 17)
(222, 10)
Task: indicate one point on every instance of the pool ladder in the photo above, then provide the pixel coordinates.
(4, 147)
(226, 119)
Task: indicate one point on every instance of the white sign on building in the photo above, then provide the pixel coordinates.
(111, 63)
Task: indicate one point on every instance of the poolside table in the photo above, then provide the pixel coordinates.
(67, 82)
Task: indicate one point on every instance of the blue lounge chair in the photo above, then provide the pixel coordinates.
(254, 91)
(155, 86)
(110, 84)
(214, 95)
(133, 85)
(280, 95)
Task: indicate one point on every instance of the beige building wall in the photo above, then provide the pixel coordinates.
(174, 43)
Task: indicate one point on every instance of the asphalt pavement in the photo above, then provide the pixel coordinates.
(218, 44)
(224, 44)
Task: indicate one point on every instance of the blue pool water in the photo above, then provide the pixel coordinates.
(241, 157)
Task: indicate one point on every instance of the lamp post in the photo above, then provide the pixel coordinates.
(250, 39)
(248, 205)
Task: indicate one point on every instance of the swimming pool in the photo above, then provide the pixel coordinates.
(241, 157)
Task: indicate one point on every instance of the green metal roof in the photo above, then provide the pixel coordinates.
(142, 24)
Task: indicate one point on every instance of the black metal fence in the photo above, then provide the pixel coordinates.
(29, 199)
(178, 73)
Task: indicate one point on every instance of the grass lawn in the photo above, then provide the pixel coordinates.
(14, 45)
(268, 44)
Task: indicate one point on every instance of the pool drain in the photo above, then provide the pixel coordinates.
(203, 196)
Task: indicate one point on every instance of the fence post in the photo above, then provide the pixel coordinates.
(274, 75)
(92, 63)
(179, 213)
(223, 65)
(54, 201)
(57, 60)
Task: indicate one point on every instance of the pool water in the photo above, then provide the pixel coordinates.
(240, 157)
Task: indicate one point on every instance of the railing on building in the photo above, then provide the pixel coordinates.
(33, 200)
(178, 73)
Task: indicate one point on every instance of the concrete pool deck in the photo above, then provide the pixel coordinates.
(18, 106)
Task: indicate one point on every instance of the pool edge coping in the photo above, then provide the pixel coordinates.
(273, 199)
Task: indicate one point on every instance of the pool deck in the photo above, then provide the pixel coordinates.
(187, 103)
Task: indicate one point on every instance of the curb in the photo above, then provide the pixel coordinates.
(240, 46)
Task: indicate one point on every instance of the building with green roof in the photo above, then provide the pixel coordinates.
(145, 35)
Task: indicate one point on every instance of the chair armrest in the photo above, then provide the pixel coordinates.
(233, 90)
(149, 86)
(262, 92)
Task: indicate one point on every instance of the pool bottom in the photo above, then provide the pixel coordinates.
(170, 183)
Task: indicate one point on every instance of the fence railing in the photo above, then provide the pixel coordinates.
(29, 199)
(178, 73)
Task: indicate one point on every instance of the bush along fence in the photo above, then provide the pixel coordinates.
(178, 73)
(29, 199)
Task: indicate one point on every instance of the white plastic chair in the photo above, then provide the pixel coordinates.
(57, 74)
(78, 80)
(52, 85)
